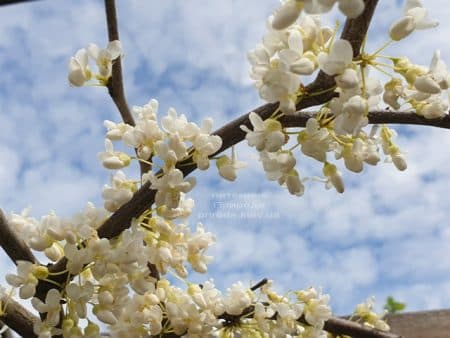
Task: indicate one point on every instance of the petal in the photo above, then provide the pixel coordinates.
(351, 8)
(93, 50)
(401, 28)
(286, 14)
(412, 4)
(115, 49)
(295, 41)
(304, 66)
(207, 125)
(342, 51)
(427, 85)
(257, 122)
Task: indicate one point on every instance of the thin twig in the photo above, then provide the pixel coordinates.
(14, 246)
(115, 83)
(12, 2)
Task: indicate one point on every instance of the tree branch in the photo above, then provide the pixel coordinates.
(18, 318)
(12, 2)
(14, 246)
(115, 83)
(340, 326)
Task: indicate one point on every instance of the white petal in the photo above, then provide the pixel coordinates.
(115, 49)
(427, 85)
(351, 8)
(286, 14)
(401, 28)
(304, 66)
(295, 41)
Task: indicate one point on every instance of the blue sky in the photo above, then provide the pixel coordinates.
(388, 234)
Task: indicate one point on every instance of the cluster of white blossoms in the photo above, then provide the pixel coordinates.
(79, 69)
(297, 45)
(122, 283)
(365, 314)
(115, 287)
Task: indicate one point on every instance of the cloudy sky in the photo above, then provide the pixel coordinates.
(388, 234)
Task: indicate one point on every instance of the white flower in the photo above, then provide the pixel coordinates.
(80, 295)
(172, 124)
(334, 177)
(436, 79)
(348, 79)
(116, 130)
(414, 18)
(276, 83)
(350, 8)
(287, 14)
(169, 187)
(113, 159)
(339, 58)
(51, 307)
(237, 299)
(143, 137)
(391, 150)
(276, 165)
(365, 312)
(266, 135)
(293, 56)
(398, 158)
(173, 151)
(183, 210)
(393, 90)
(354, 156)
(433, 108)
(317, 311)
(147, 111)
(77, 257)
(197, 244)
(315, 141)
(228, 166)
(205, 145)
(28, 275)
(79, 71)
(353, 116)
(292, 182)
(120, 191)
(104, 57)
(439, 71)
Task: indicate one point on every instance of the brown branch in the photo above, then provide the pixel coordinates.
(115, 83)
(376, 117)
(340, 326)
(18, 318)
(14, 246)
(12, 2)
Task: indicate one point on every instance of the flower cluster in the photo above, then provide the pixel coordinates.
(365, 314)
(122, 281)
(80, 71)
(301, 46)
(290, 10)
